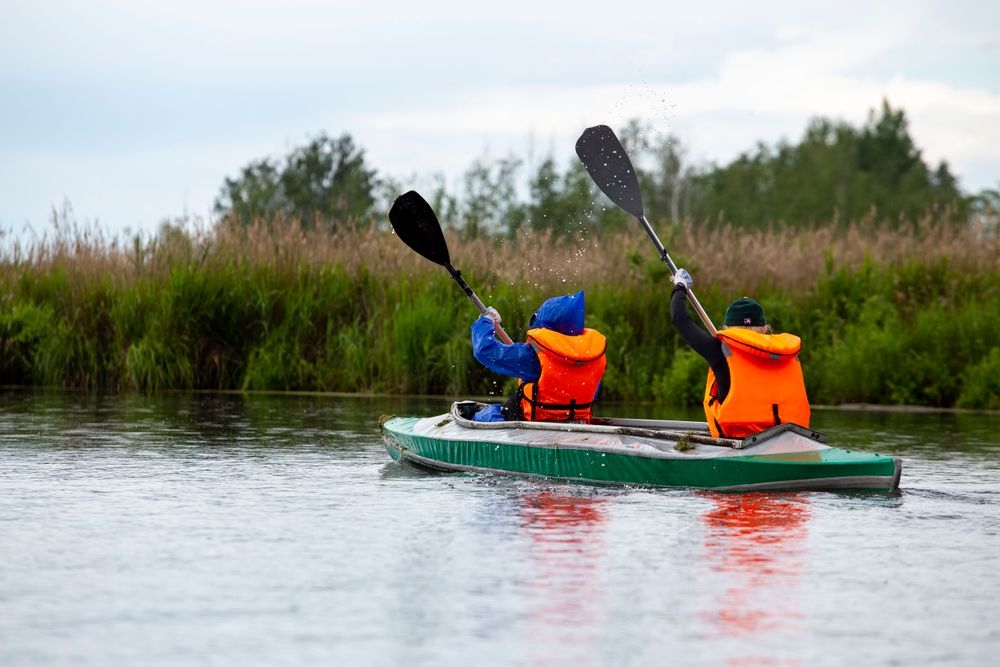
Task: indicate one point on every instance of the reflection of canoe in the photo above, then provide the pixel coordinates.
(640, 452)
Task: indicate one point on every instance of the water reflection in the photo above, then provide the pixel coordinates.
(283, 517)
(756, 543)
(566, 552)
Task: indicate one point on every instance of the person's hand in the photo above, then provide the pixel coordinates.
(492, 313)
(683, 279)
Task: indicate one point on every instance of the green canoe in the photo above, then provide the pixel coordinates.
(636, 452)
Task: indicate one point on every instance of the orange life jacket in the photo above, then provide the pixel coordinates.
(572, 368)
(767, 387)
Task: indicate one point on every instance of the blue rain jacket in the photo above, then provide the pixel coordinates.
(564, 314)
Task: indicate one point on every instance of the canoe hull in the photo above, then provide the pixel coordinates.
(789, 460)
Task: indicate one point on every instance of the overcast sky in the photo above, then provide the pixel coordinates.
(135, 111)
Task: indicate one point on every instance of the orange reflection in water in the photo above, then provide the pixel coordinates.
(566, 552)
(550, 510)
(757, 543)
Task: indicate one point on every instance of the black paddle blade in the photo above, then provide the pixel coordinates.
(415, 223)
(608, 164)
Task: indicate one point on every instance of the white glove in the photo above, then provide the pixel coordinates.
(683, 279)
(492, 313)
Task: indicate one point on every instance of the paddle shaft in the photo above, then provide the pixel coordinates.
(665, 258)
(457, 275)
(417, 226)
(611, 169)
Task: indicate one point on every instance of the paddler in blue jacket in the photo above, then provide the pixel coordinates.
(559, 367)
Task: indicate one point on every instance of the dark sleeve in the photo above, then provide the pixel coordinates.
(702, 342)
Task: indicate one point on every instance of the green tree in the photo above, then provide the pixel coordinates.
(546, 198)
(741, 193)
(325, 183)
(256, 194)
(900, 183)
(491, 203)
(670, 195)
(561, 202)
(835, 171)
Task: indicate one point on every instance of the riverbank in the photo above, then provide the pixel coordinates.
(902, 316)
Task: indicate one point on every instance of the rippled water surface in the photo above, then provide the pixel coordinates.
(275, 530)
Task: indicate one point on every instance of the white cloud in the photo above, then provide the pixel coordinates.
(756, 95)
(94, 91)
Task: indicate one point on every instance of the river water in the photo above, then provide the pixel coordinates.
(195, 529)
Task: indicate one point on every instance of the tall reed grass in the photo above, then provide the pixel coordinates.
(887, 315)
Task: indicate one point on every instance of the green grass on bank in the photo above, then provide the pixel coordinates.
(910, 319)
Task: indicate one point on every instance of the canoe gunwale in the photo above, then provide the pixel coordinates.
(669, 430)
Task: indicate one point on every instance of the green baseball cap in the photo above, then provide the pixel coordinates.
(744, 312)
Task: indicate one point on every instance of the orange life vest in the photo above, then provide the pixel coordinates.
(572, 368)
(767, 387)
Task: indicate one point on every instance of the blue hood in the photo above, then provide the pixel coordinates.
(561, 313)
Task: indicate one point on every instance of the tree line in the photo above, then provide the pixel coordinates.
(835, 172)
